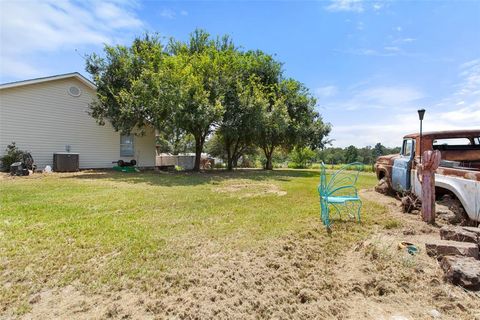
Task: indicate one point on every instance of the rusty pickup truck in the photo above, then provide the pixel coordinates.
(457, 175)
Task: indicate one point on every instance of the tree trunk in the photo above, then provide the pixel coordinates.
(268, 155)
(235, 154)
(229, 162)
(198, 153)
(232, 155)
(228, 150)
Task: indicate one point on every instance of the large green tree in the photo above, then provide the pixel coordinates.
(274, 125)
(202, 61)
(134, 86)
(241, 120)
(173, 89)
(290, 120)
(201, 86)
(237, 129)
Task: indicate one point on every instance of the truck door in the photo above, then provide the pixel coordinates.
(402, 165)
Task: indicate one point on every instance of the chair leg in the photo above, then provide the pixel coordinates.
(358, 211)
(325, 214)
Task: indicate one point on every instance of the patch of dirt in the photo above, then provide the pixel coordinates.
(250, 189)
(289, 278)
(71, 303)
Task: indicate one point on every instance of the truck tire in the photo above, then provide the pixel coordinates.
(382, 186)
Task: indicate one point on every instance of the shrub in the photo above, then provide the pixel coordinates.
(219, 165)
(12, 154)
(366, 168)
(301, 158)
(294, 165)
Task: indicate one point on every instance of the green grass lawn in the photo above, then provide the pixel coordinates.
(120, 230)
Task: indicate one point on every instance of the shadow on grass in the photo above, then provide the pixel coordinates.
(189, 178)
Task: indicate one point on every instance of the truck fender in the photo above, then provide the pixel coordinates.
(465, 193)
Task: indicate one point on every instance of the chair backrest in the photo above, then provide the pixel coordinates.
(323, 180)
(345, 177)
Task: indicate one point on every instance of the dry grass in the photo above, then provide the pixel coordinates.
(247, 244)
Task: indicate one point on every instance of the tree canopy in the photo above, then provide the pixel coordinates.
(202, 88)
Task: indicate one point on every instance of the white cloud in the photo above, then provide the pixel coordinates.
(21, 70)
(467, 114)
(377, 6)
(346, 5)
(470, 72)
(392, 49)
(363, 52)
(32, 27)
(168, 13)
(387, 51)
(327, 91)
(389, 96)
(403, 40)
(458, 110)
(172, 14)
(377, 97)
(357, 6)
(389, 131)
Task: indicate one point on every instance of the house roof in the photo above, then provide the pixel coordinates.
(76, 75)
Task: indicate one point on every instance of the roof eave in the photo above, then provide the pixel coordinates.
(76, 75)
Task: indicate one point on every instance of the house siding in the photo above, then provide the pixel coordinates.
(43, 118)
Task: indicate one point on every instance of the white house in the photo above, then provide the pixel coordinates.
(49, 115)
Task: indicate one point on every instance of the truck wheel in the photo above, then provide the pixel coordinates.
(382, 186)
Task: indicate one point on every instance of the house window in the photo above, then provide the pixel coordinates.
(126, 145)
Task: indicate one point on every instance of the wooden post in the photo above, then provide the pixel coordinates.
(430, 163)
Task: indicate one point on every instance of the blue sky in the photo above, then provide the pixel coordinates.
(371, 64)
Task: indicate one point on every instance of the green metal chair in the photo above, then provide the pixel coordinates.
(339, 192)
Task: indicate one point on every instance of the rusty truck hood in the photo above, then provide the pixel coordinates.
(387, 159)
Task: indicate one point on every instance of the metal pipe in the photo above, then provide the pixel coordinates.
(421, 141)
(421, 113)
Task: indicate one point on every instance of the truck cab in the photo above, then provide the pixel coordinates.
(458, 174)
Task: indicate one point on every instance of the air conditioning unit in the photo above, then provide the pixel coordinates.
(66, 162)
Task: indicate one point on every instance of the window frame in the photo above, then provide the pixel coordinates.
(454, 142)
(412, 150)
(124, 153)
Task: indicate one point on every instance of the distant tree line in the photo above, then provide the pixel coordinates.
(366, 155)
(205, 91)
(305, 157)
